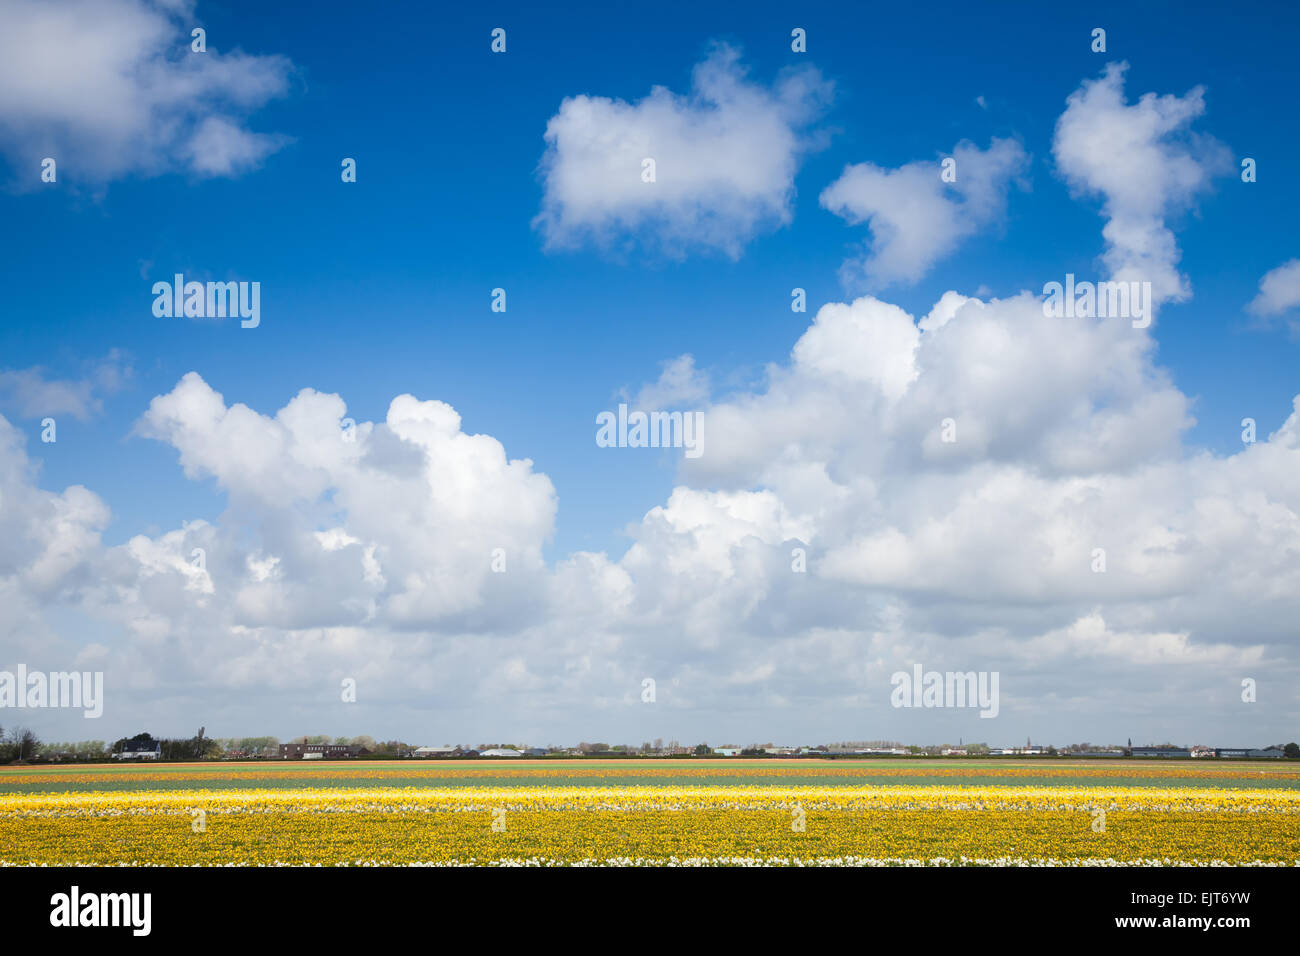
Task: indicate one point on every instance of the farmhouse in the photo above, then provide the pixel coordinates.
(138, 753)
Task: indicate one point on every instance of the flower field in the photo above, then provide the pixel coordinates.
(534, 823)
(972, 772)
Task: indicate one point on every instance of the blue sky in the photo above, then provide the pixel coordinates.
(382, 287)
(448, 185)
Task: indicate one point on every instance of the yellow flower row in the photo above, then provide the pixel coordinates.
(656, 825)
(474, 799)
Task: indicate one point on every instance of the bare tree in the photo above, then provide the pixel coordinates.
(25, 742)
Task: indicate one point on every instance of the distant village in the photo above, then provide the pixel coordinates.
(343, 751)
(145, 747)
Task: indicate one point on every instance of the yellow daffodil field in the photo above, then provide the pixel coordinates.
(844, 813)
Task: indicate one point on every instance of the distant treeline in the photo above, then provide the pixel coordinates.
(21, 745)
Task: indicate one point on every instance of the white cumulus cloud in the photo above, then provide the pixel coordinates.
(916, 217)
(1279, 292)
(111, 87)
(725, 158)
(1146, 163)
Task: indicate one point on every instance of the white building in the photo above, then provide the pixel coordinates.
(444, 751)
(141, 754)
(501, 752)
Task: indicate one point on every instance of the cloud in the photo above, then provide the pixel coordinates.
(1146, 164)
(394, 514)
(915, 217)
(367, 550)
(980, 553)
(222, 148)
(725, 159)
(109, 88)
(680, 385)
(48, 544)
(1279, 292)
(35, 395)
(372, 557)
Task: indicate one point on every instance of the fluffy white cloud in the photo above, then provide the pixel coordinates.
(48, 544)
(111, 87)
(46, 537)
(403, 516)
(1146, 163)
(725, 159)
(1279, 292)
(915, 217)
(981, 554)
(371, 558)
(868, 387)
(1067, 440)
